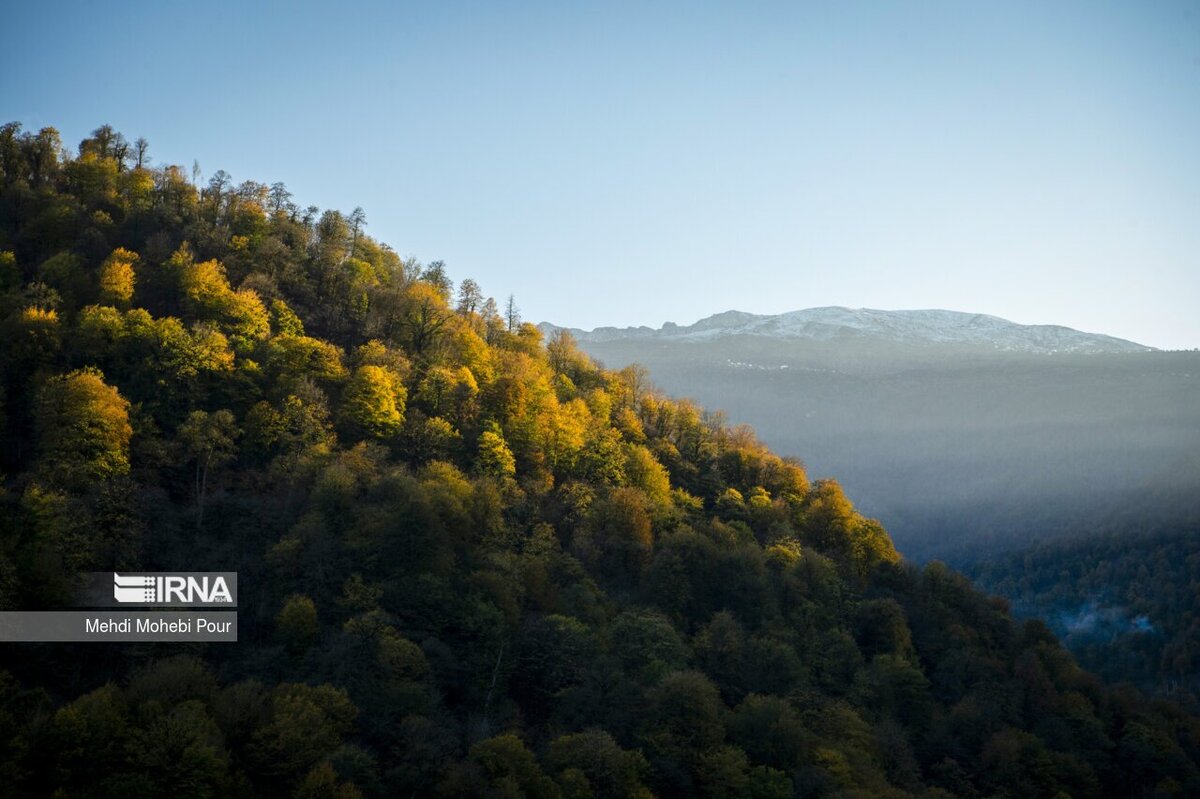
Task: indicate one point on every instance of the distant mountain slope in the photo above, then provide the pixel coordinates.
(901, 327)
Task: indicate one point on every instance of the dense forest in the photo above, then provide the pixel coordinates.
(1127, 604)
(471, 562)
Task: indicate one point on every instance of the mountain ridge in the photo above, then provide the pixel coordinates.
(830, 323)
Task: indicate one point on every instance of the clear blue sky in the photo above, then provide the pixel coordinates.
(634, 163)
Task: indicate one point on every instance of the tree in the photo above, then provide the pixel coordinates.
(554, 654)
(64, 271)
(770, 730)
(443, 391)
(512, 314)
(881, 628)
(297, 623)
(43, 155)
(618, 538)
(288, 360)
(101, 141)
(685, 718)
(219, 183)
(374, 402)
(436, 276)
(305, 725)
(424, 315)
(209, 297)
(470, 297)
(179, 751)
(120, 152)
(495, 459)
(13, 165)
(602, 459)
(209, 439)
(508, 768)
(284, 320)
(567, 359)
(33, 338)
(117, 277)
(141, 150)
(83, 429)
(88, 737)
(357, 220)
(322, 783)
(493, 324)
(647, 644)
(610, 770)
(10, 273)
(279, 196)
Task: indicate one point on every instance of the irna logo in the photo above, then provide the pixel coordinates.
(172, 588)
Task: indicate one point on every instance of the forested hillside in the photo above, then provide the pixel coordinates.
(1126, 603)
(471, 563)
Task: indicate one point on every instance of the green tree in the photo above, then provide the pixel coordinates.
(34, 339)
(618, 538)
(210, 441)
(297, 623)
(10, 273)
(882, 629)
(610, 770)
(685, 717)
(508, 768)
(647, 644)
(321, 782)
(304, 725)
(65, 273)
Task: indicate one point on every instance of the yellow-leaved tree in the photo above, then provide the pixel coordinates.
(117, 278)
(495, 459)
(373, 403)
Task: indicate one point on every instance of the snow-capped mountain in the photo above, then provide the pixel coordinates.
(833, 324)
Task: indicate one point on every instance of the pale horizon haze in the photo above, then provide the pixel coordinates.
(634, 163)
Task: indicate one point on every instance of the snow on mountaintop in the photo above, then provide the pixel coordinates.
(908, 327)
